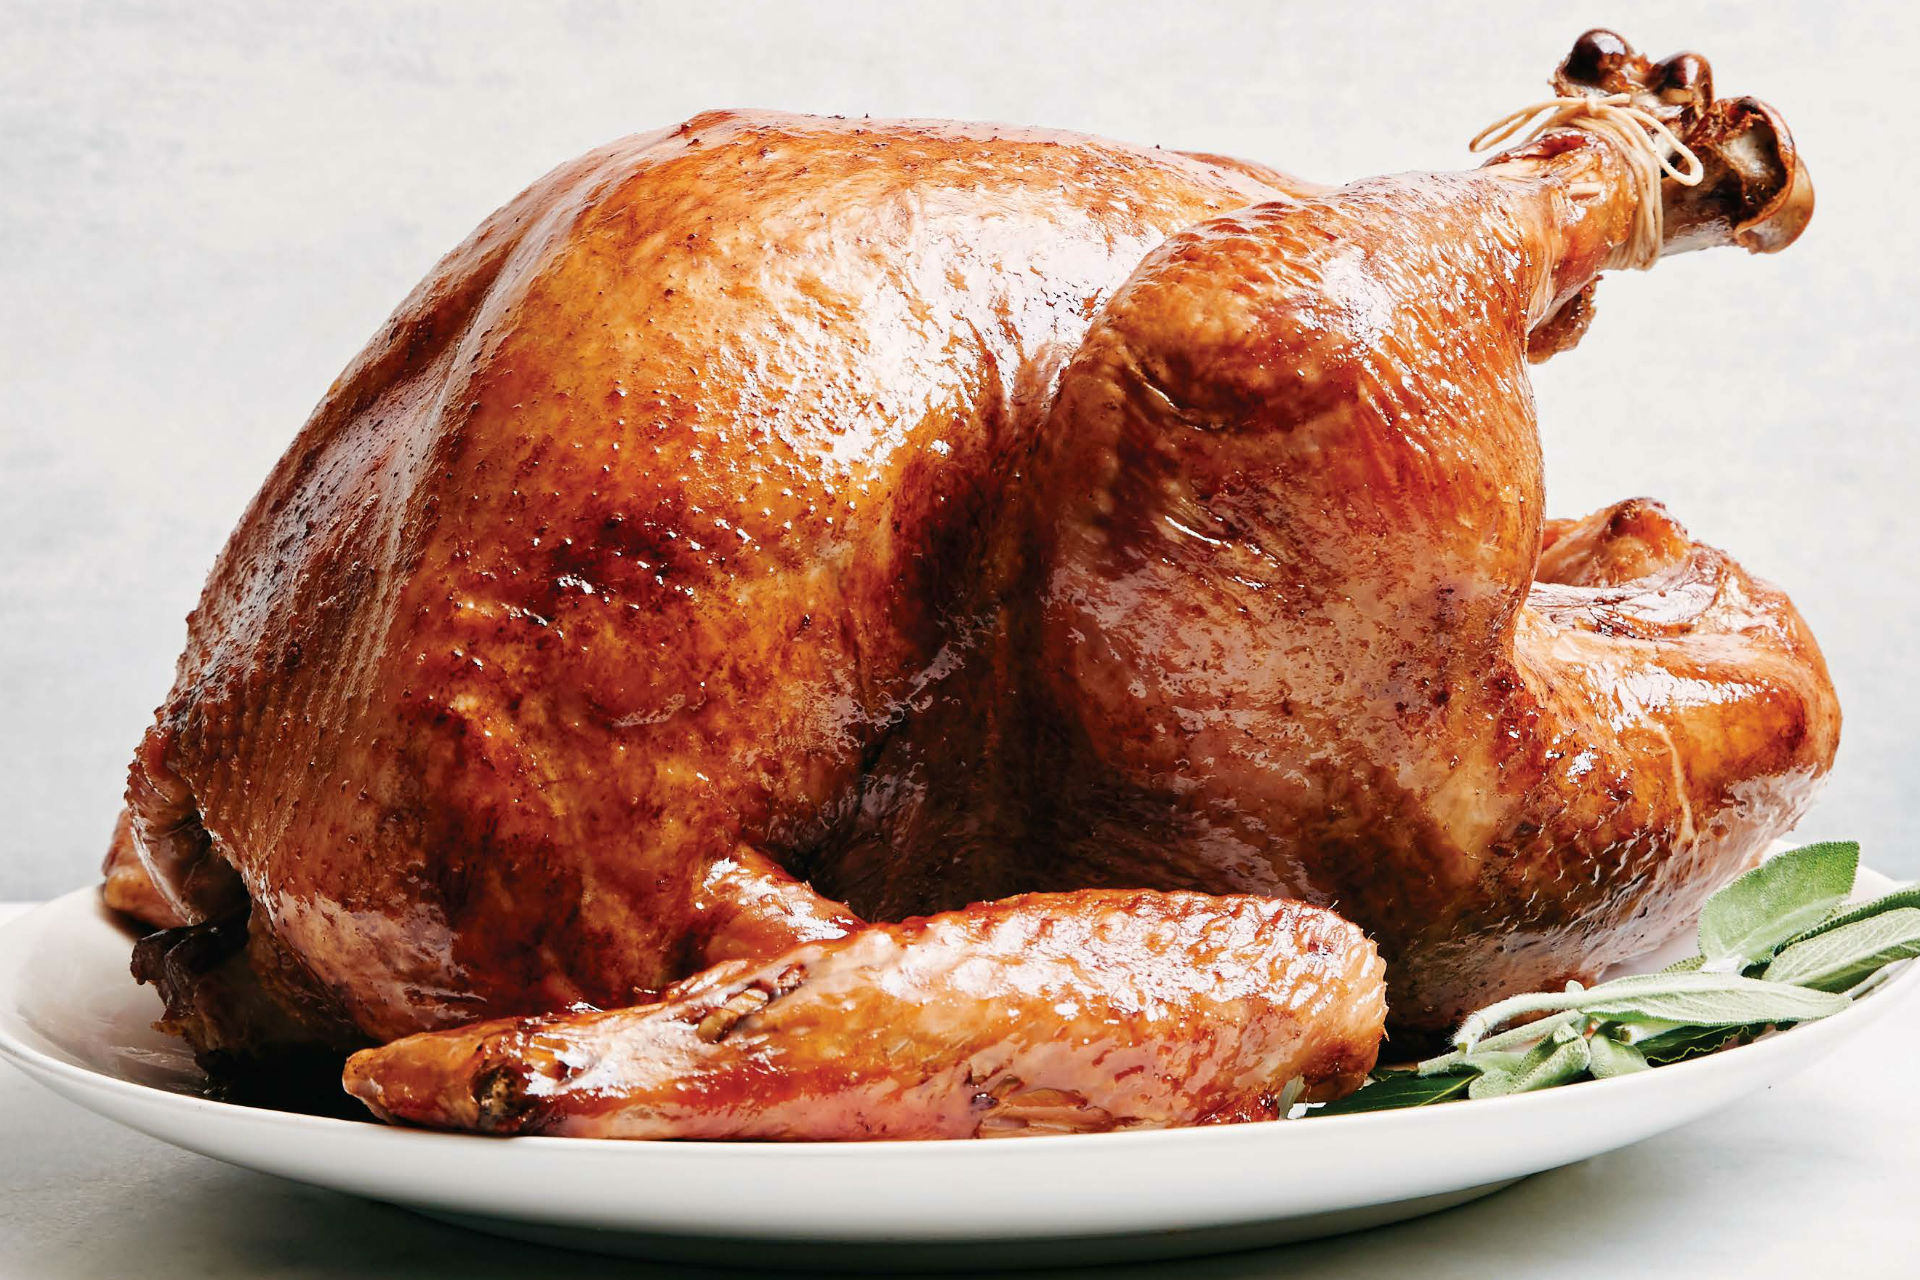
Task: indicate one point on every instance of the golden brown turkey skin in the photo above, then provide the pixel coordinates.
(774, 525)
(600, 574)
(1296, 623)
(1047, 1013)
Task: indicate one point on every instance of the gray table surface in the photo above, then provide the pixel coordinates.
(1816, 1177)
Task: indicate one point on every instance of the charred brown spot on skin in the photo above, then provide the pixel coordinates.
(500, 1098)
(1597, 58)
(716, 1025)
(1676, 89)
(719, 1023)
(1684, 74)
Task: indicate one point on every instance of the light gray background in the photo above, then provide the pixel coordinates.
(206, 208)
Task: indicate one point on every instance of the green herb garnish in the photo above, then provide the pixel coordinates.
(1777, 946)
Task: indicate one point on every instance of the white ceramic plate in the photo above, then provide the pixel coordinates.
(71, 1017)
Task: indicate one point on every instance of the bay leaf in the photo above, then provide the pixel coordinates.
(1390, 1092)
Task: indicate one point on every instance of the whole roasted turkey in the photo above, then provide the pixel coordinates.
(764, 538)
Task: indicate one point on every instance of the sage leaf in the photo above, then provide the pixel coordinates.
(1500, 1071)
(1398, 1089)
(1615, 1057)
(1560, 1059)
(1490, 1084)
(1786, 921)
(1907, 897)
(1706, 1000)
(1743, 923)
(1849, 954)
(1698, 999)
(1487, 1061)
(1519, 1038)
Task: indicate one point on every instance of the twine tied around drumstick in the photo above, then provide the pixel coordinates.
(1642, 138)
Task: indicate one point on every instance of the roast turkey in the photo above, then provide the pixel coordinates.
(836, 628)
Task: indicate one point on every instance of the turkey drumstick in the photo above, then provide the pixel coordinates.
(1291, 608)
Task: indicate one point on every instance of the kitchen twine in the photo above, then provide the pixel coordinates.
(1642, 139)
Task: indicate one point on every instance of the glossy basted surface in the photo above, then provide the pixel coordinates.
(778, 513)
(1048, 1013)
(624, 545)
